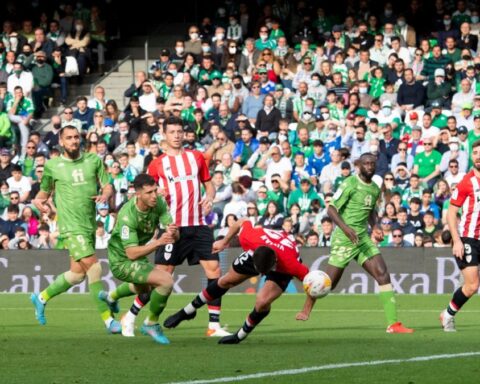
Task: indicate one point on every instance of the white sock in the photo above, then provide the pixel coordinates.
(242, 334)
(189, 309)
(42, 300)
(130, 317)
(108, 322)
(149, 322)
(213, 325)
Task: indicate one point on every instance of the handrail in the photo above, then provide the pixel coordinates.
(147, 45)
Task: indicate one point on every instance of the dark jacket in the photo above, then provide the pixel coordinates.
(411, 94)
(389, 149)
(268, 122)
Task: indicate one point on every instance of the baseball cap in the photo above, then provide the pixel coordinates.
(264, 140)
(462, 129)
(413, 115)
(351, 116)
(279, 87)
(4, 152)
(337, 28)
(108, 122)
(436, 104)
(165, 52)
(215, 75)
(467, 105)
(416, 128)
(345, 165)
(439, 72)
(262, 70)
(101, 206)
(387, 104)
(361, 112)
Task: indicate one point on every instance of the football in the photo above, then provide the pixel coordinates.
(317, 284)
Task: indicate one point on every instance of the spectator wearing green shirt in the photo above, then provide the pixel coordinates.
(427, 164)
(20, 111)
(303, 196)
(42, 81)
(439, 120)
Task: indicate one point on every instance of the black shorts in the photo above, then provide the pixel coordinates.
(243, 265)
(471, 253)
(194, 244)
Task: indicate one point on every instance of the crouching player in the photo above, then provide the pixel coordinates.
(270, 253)
(129, 246)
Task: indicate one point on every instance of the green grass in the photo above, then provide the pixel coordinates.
(74, 347)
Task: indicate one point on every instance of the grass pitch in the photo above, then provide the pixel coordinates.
(74, 347)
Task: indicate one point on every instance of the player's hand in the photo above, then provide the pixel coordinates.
(458, 250)
(166, 238)
(41, 205)
(302, 316)
(172, 229)
(351, 234)
(219, 246)
(100, 199)
(207, 205)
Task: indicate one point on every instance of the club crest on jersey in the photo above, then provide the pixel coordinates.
(125, 233)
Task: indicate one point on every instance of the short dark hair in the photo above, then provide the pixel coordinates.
(172, 120)
(326, 220)
(142, 180)
(67, 127)
(16, 168)
(476, 144)
(264, 259)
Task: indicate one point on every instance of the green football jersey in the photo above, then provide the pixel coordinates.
(134, 227)
(354, 201)
(75, 182)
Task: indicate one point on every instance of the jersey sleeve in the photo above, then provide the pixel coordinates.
(203, 172)
(48, 184)
(246, 235)
(152, 170)
(128, 231)
(102, 175)
(165, 216)
(460, 194)
(341, 197)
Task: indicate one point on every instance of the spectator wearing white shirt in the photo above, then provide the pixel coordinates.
(20, 78)
(465, 95)
(453, 175)
(455, 153)
(304, 74)
(402, 52)
(379, 52)
(134, 159)
(276, 164)
(19, 183)
(148, 100)
(428, 130)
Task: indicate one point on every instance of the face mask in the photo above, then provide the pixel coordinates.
(388, 12)
(269, 108)
(124, 133)
(227, 92)
(27, 54)
(363, 90)
(108, 130)
(447, 21)
(179, 50)
(307, 116)
(474, 19)
(109, 162)
(269, 25)
(232, 51)
(57, 126)
(373, 148)
(158, 78)
(233, 22)
(79, 28)
(194, 36)
(401, 23)
(264, 36)
(4, 193)
(220, 36)
(467, 57)
(332, 133)
(237, 86)
(315, 83)
(282, 138)
(325, 116)
(205, 49)
(14, 40)
(386, 111)
(40, 61)
(173, 72)
(18, 73)
(453, 147)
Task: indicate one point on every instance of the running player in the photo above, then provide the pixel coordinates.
(180, 174)
(466, 238)
(351, 209)
(274, 254)
(75, 178)
(132, 242)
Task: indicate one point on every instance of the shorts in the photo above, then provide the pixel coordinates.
(471, 253)
(79, 245)
(195, 244)
(243, 265)
(343, 250)
(132, 271)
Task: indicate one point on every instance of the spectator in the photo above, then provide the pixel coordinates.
(272, 218)
(427, 164)
(397, 239)
(78, 43)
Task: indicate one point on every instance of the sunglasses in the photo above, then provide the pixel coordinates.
(267, 54)
(453, 166)
(397, 235)
(307, 62)
(386, 222)
(30, 147)
(262, 192)
(255, 87)
(402, 149)
(389, 179)
(429, 144)
(67, 113)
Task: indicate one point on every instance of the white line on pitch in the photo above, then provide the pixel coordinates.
(299, 371)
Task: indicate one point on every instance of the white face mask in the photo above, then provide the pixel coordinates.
(264, 36)
(373, 148)
(179, 50)
(453, 147)
(232, 51)
(227, 92)
(325, 116)
(282, 138)
(315, 83)
(220, 36)
(269, 25)
(109, 162)
(307, 116)
(194, 36)
(79, 28)
(332, 133)
(268, 108)
(205, 49)
(362, 90)
(401, 23)
(387, 111)
(173, 72)
(447, 21)
(108, 130)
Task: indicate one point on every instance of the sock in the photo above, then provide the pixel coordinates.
(157, 305)
(103, 308)
(210, 293)
(123, 290)
(253, 319)
(387, 297)
(140, 301)
(59, 286)
(458, 300)
(214, 302)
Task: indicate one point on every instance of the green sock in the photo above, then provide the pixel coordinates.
(103, 308)
(387, 297)
(157, 305)
(59, 286)
(123, 290)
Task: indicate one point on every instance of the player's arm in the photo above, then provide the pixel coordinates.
(372, 218)
(220, 245)
(337, 219)
(452, 226)
(47, 186)
(137, 251)
(304, 315)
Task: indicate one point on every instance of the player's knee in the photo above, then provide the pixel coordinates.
(470, 288)
(164, 283)
(263, 304)
(94, 273)
(74, 278)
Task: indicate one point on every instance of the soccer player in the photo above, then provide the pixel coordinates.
(271, 253)
(351, 209)
(180, 174)
(75, 178)
(466, 238)
(131, 242)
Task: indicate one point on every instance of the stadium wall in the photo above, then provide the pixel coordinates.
(413, 271)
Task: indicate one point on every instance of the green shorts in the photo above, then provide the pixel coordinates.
(132, 271)
(343, 250)
(79, 245)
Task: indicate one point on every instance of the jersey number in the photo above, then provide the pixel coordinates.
(77, 176)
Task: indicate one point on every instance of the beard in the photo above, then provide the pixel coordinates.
(73, 154)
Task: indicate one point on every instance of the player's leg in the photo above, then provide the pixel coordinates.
(377, 268)
(163, 285)
(460, 297)
(61, 284)
(265, 297)
(123, 290)
(216, 289)
(335, 274)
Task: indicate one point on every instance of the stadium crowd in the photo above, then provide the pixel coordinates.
(281, 100)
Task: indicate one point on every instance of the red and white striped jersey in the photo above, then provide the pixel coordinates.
(181, 178)
(467, 196)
